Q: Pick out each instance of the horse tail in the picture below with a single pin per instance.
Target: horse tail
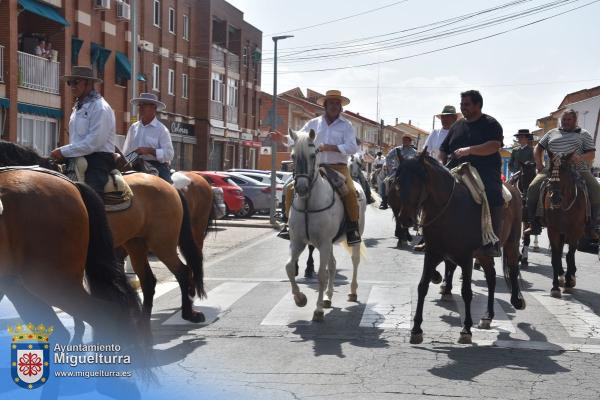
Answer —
(105, 279)
(189, 249)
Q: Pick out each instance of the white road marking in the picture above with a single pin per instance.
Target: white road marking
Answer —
(388, 307)
(578, 319)
(218, 300)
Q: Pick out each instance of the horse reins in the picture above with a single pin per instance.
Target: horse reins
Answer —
(424, 225)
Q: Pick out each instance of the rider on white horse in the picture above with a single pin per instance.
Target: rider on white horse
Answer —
(336, 141)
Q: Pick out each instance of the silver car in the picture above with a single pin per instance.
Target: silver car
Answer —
(219, 207)
(257, 195)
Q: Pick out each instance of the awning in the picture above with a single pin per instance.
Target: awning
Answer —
(76, 44)
(39, 110)
(43, 10)
(4, 103)
(123, 66)
(99, 55)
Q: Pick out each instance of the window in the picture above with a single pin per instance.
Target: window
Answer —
(171, 88)
(232, 92)
(245, 56)
(171, 20)
(184, 85)
(157, 13)
(217, 87)
(155, 77)
(37, 132)
(186, 27)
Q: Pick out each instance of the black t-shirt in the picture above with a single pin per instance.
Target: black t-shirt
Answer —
(464, 134)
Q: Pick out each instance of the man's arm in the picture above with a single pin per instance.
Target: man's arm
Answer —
(538, 156)
(442, 157)
(512, 163)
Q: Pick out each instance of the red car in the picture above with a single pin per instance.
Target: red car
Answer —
(233, 195)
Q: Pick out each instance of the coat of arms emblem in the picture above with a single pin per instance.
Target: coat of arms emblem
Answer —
(30, 355)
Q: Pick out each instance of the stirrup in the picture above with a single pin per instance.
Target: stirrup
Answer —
(353, 237)
(490, 250)
(284, 233)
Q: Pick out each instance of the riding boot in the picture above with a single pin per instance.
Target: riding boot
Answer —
(384, 203)
(284, 233)
(593, 226)
(352, 233)
(493, 249)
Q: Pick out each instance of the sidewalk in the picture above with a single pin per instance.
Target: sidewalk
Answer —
(257, 221)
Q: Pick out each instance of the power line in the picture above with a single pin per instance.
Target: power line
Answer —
(338, 19)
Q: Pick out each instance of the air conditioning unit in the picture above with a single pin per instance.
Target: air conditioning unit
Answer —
(102, 4)
(123, 11)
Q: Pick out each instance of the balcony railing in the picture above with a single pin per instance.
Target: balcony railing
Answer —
(233, 62)
(232, 115)
(38, 73)
(216, 110)
(1, 63)
(217, 57)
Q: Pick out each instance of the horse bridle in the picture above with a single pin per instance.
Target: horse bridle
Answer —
(555, 179)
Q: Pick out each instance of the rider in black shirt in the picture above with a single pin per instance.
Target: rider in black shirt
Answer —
(477, 139)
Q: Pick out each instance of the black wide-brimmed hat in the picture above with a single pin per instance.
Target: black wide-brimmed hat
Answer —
(524, 132)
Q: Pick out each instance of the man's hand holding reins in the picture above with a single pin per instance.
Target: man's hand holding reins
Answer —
(329, 147)
(56, 154)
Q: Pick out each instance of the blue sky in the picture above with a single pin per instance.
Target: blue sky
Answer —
(523, 75)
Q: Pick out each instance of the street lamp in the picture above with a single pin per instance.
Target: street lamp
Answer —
(273, 129)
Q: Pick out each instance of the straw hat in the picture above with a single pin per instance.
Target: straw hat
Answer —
(333, 94)
(149, 98)
(82, 72)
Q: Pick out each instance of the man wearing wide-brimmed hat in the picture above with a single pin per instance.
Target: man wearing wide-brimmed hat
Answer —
(149, 137)
(92, 129)
(523, 153)
(448, 116)
(336, 142)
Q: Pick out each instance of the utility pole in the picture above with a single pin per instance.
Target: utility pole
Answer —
(134, 51)
(273, 129)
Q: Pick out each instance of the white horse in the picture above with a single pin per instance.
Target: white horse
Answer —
(315, 218)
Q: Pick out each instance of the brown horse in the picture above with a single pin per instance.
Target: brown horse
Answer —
(52, 231)
(199, 197)
(157, 221)
(452, 230)
(521, 180)
(565, 216)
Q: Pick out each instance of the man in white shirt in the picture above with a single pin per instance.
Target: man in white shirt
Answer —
(149, 137)
(448, 116)
(92, 129)
(336, 141)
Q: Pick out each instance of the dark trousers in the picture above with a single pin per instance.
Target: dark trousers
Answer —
(163, 170)
(99, 167)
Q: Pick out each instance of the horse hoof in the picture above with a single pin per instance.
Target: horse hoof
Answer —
(561, 281)
(568, 290)
(524, 264)
(318, 316)
(436, 278)
(326, 303)
(485, 323)
(465, 338)
(573, 282)
(518, 303)
(300, 299)
(416, 338)
(194, 316)
(555, 293)
(353, 297)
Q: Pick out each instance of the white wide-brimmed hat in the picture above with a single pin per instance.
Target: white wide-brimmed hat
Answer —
(149, 98)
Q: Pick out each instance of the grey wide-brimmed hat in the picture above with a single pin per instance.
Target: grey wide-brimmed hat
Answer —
(449, 110)
(82, 72)
(149, 98)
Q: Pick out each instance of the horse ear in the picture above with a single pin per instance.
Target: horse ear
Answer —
(399, 155)
(312, 134)
(423, 153)
(293, 135)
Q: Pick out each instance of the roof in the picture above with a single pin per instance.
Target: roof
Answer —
(579, 96)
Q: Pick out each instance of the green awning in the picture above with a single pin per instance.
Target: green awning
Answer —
(4, 103)
(76, 44)
(39, 110)
(43, 10)
(99, 56)
(123, 66)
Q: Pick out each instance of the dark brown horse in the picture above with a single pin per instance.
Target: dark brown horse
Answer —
(157, 221)
(452, 230)
(565, 216)
(52, 233)
(521, 180)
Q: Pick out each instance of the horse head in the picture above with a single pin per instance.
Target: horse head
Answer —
(562, 177)
(13, 154)
(304, 155)
(528, 172)
(410, 187)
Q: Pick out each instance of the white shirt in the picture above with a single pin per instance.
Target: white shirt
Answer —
(91, 129)
(434, 142)
(379, 160)
(154, 135)
(339, 133)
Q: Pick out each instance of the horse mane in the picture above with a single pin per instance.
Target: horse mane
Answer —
(13, 154)
(414, 167)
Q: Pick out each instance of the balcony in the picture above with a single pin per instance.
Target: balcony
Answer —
(233, 62)
(217, 57)
(1, 63)
(216, 110)
(38, 73)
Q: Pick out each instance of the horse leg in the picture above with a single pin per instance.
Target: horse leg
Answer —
(325, 253)
(490, 279)
(467, 295)
(354, 284)
(431, 261)
(446, 286)
(556, 246)
(296, 248)
(331, 269)
(523, 258)
(309, 272)
(570, 280)
(138, 254)
(510, 254)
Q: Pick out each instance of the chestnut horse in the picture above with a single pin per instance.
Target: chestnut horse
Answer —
(521, 180)
(452, 230)
(157, 221)
(52, 232)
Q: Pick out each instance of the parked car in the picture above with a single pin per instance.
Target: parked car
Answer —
(233, 195)
(263, 177)
(219, 207)
(283, 176)
(257, 195)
